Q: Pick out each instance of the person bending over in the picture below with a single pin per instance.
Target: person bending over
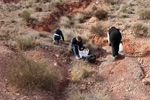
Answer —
(114, 39)
(76, 43)
(57, 36)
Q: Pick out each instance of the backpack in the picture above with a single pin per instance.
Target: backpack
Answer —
(90, 58)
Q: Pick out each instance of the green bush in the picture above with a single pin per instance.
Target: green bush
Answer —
(101, 14)
(25, 42)
(26, 74)
(140, 30)
(145, 14)
(98, 30)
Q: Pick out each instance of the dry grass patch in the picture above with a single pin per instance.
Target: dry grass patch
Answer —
(27, 16)
(80, 70)
(82, 17)
(101, 14)
(25, 42)
(38, 9)
(140, 30)
(26, 74)
(98, 29)
(65, 21)
(76, 94)
(145, 14)
(109, 2)
(69, 33)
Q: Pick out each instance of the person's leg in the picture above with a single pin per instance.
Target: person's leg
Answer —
(74, 48)
(57, 39)
(117, 50)
(75, 51)
(113, 51)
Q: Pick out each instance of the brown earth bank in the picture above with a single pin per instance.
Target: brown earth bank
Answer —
(10, 1)
(49, 23)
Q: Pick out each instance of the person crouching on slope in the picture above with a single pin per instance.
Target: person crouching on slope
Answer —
(57, 36)
(76, 43)
(114, 39)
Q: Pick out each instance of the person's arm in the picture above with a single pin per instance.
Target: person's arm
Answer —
(73, 43)
(108, 37)
(80, 45)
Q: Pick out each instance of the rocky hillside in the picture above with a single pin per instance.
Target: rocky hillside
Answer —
(32, 67)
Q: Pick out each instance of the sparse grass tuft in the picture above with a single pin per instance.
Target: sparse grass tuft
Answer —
(93, 7)
(26, 74)
(80, 70)
(109, 1)
(81, 17)
(25, 42)
(145, 14)
(38, 9)
(56, 3)
(84, 0)
(65, 21)
(27, 16)
(69, 33)
(101, 14)
(140, 30)
(98, 30)
(76, 94)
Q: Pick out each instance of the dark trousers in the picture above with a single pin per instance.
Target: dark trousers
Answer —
(75, 50)
(56, 39)
(115, 50)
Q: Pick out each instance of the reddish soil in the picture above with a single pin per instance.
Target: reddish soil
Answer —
(49, 23)
(9, 1)
(121, 78)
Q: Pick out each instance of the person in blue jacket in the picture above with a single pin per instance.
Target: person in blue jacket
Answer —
(114, 39)
(57, 36)
(76, 43)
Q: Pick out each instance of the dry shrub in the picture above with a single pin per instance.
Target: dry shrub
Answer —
(84, 0)
(65, 21)
(25, 42)
(93, 7)
(26, 74)
(76, 94)
(69, 33)
(56, 3)
(81, 17)
(145, 14)
(27, 16)
(109, 1)
(38, 9)
(101, 14)
(140, 30)
(98, 30)
(80, 70)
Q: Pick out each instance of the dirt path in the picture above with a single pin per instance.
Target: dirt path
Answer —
(123, 78)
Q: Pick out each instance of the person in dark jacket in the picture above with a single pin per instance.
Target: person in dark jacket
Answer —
(57, 36)
(76, 43)
(114, 39)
